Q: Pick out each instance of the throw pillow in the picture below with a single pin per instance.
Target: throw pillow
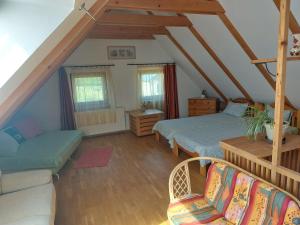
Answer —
(236, 109)
(28, 127)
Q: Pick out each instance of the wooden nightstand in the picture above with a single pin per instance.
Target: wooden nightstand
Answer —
(202, 106)
(141, 123)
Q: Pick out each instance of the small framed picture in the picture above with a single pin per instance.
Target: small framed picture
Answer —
(121, 52)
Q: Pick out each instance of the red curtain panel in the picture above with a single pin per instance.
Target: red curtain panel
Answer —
(171, 106)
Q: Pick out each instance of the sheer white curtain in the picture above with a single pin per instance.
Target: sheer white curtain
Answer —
(92, 89)
(93, 95)
(151, 87)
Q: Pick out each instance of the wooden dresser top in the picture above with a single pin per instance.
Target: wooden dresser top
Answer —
(148, 112)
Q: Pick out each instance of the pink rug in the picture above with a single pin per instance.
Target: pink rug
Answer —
(94, 158)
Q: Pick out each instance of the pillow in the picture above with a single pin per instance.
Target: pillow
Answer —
(15, 134)
(236, 109)
(8, 145)
(28, 127)
(286, 114)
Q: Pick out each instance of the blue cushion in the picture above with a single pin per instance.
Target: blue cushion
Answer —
(236, 109)
(15, 134)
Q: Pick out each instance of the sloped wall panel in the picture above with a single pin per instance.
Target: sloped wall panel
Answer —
(233, 56)
(185, 65)
(204, 60)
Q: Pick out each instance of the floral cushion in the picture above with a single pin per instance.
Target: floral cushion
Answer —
(292, 215)
(192, 210)
(266, 206)
(220, 185)
(240, 199)
(233, 198)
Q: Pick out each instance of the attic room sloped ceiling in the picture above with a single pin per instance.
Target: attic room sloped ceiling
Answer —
(259, 33)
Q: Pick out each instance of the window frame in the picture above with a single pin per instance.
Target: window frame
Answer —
(104, 102)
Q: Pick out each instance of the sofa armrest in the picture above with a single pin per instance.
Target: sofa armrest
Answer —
(22, 180)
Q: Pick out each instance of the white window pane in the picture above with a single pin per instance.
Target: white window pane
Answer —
(90, 92)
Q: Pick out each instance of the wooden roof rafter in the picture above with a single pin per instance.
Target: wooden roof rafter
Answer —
(142, 20)
(121, 36)
(196, 66)
(249, 52)
(212, 53)
(178, 6)
(129, 29)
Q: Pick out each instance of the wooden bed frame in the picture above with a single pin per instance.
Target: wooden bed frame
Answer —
(203, 169)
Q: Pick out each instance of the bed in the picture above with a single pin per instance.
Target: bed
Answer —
(200, 135)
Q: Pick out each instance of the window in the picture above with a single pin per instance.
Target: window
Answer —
(151, 87)
(90, 92)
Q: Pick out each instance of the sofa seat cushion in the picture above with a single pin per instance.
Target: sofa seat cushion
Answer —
(35, 205)
(194, 209)
(47, 151)
(23, 180)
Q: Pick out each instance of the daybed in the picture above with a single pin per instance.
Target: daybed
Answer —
(27, 198)
(232, 196)
(49, 150)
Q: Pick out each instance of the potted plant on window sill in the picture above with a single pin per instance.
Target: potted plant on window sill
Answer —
(262, 123)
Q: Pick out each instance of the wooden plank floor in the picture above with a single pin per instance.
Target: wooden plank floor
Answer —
(131, 190)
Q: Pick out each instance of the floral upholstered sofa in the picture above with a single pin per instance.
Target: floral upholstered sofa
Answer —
(230, 197)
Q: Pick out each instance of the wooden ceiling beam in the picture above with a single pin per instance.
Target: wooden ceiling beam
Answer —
(121, 36)
(143, 20)
(249, 52)
(293, 23)
(212, 53)
(179, 6)
(50, 63)
(196, 66)
(273, 60)
(117, 29)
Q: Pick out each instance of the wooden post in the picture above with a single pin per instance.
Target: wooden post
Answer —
(280, 85)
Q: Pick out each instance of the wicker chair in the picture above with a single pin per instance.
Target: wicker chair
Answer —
(180, 184)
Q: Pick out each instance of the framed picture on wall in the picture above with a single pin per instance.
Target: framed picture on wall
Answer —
(121, 52)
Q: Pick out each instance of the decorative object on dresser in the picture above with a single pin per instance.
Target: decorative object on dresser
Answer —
(202, 106)
(142, 122)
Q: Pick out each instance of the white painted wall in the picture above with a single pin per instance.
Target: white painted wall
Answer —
(45, 103)
(93, 51)
(44, 106)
